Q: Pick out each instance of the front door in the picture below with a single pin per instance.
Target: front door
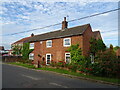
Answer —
(48, 59)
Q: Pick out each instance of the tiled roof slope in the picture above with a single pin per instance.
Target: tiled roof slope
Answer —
(21, 40)
(97, 35)
(60, 33)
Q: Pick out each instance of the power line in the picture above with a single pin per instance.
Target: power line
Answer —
(94, 15)
(60, 23)
(109, 31)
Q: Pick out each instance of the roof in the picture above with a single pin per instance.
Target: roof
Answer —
(60, 33)
(118, 52)
(97, 35)
(21, 40)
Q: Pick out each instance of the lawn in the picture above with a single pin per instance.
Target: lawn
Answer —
(112, 80)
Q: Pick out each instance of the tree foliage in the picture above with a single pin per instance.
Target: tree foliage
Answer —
(109, 54)
(108, 63)
(17, 50)
(96, 46)
(75, 53)
(26, 51)
(116, 48)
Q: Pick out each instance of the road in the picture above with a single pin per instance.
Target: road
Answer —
(18, 77)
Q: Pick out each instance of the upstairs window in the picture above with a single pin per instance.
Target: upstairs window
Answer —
(49, 43)
(67, 42)
(31, 45)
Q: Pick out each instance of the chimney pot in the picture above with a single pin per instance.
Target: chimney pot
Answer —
(32, 35)
(64, 23)
(64, 18)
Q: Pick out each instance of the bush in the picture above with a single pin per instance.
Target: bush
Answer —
(84, 63)
(43, 63)
(53, 63)
(61, 64)
(108, 64)
(73, 67)
(96, 69)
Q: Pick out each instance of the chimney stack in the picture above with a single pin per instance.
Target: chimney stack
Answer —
(64, 23)
(32, 35)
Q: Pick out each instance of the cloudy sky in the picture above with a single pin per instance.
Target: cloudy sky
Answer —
(25, 15)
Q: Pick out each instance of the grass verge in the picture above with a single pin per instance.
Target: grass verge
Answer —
(22, 64)
(112, 80)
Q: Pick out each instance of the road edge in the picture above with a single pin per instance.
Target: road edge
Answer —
(71, 76)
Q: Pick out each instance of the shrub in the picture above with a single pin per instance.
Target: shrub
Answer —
(96, 69)
(61, 64)
(73, 67)
(53, 63)
(42, 63)
(108, 64)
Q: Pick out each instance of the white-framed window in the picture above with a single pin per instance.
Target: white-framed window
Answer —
(67, 58)
(31, 56)
(40, 42)
(48, 59)
(49, 43)
(67, 42)
(31, 45)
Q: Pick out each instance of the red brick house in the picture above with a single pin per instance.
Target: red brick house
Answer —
(53, 45)
(1, 50)
(21, 41)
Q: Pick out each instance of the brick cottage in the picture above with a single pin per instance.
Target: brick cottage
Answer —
(53, 45)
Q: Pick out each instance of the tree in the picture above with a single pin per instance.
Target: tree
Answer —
(26, 51)
(100, 45)
(17, 50)
(75, 53)
(93, 46)
(109, 62)
(76, 56)
(116, 48)
(96, 46)
(111, 47)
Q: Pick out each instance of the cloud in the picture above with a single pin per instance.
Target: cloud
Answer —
(27, 15)
(62, 1)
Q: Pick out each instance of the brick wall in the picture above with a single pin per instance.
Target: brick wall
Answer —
(86, 38)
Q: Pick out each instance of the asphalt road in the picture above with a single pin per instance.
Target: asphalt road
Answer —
(18, 77)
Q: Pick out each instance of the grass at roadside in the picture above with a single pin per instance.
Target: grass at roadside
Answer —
(112, 80)
(22, 64)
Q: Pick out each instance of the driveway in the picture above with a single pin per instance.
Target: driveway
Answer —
(18, 77)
